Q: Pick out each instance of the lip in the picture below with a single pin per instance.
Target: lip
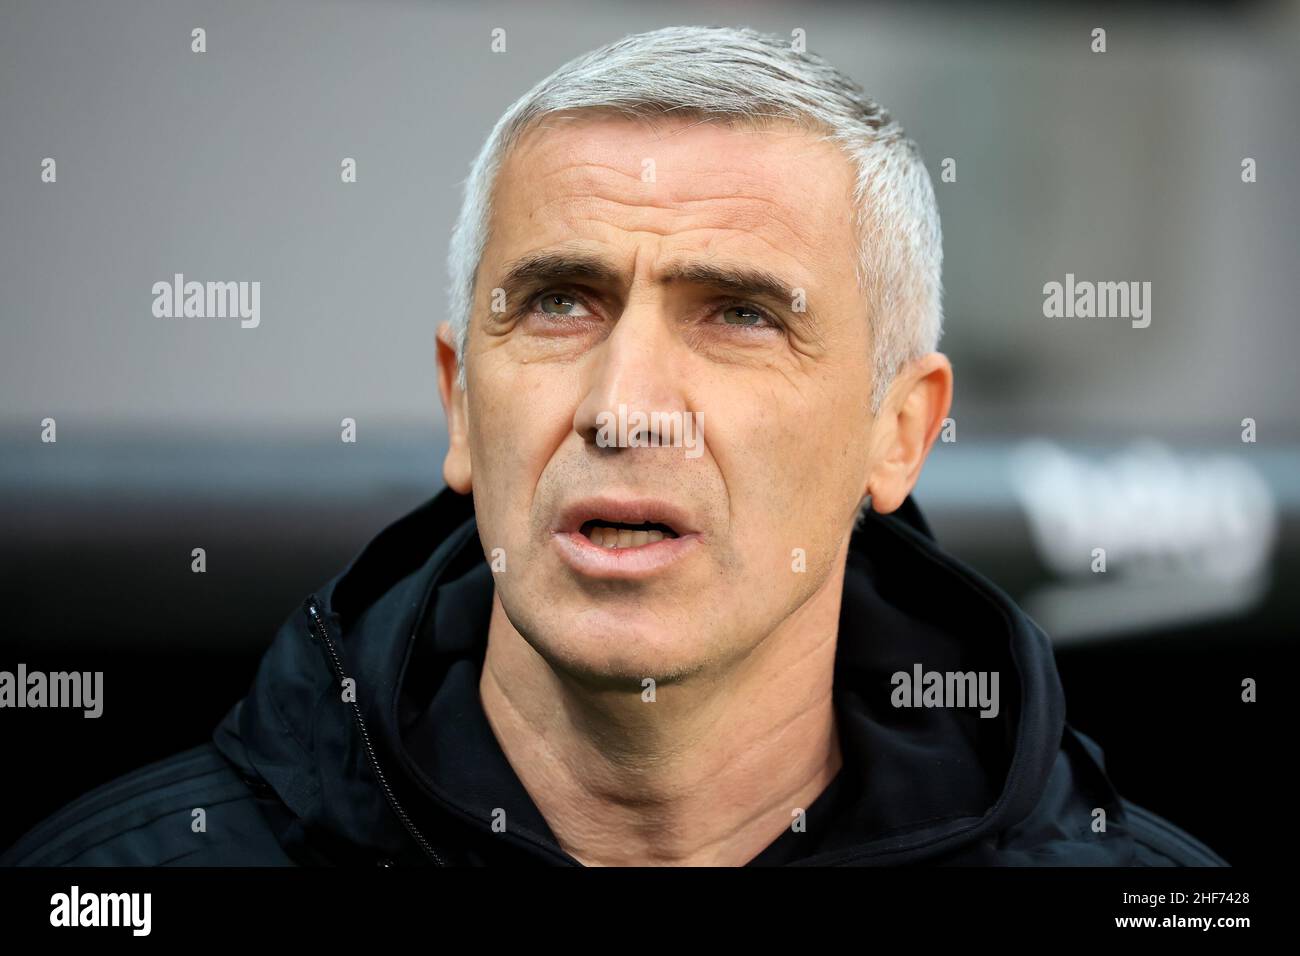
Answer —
(625, 511)
(591, 560)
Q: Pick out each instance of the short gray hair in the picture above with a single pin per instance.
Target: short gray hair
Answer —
(740, 75)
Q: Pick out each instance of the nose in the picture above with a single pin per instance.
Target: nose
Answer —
(638, 368)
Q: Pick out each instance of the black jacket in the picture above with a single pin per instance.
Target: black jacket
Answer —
(411, 774)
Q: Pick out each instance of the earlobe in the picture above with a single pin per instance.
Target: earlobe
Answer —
(456, 466)
(921, 399)
(883, 490)
(456, 470)
(883, 476)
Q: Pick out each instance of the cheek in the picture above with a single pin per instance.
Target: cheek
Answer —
(517, 421)
(778, 446)
(792, 471)
(501, 445)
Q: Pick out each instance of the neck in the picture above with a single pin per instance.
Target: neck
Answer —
(709, 774)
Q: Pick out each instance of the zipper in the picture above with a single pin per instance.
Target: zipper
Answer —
(312, 609)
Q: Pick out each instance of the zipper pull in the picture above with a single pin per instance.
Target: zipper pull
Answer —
(311, 607)
(317, 629)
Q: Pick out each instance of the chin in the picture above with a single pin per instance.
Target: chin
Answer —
(611, 651)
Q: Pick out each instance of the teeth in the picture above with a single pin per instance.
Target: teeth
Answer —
(614, 538)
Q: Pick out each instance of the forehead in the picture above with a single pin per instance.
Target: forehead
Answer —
(777, 192)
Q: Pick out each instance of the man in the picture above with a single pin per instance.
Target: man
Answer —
(675, 606)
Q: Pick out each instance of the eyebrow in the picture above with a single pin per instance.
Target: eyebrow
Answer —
(558, 267)
(740, 281)
(572, 266)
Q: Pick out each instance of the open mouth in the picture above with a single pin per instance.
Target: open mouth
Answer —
(624, 537)
(619, 534)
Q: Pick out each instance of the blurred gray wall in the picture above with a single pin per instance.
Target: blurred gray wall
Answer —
(225, 166)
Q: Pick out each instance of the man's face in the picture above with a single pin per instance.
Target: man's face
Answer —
(641, 246)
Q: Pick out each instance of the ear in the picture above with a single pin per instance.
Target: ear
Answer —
(903, 433)
(456, 466)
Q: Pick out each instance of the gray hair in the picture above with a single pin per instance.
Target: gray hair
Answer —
(739, 75)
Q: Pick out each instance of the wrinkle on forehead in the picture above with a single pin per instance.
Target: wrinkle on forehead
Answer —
(561, 178)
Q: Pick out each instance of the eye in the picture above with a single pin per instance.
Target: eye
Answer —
(743, 315)
(559, 304)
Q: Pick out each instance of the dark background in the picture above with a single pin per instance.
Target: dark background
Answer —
(225, 166)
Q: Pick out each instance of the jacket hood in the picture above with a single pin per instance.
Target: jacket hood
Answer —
(407, 621)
